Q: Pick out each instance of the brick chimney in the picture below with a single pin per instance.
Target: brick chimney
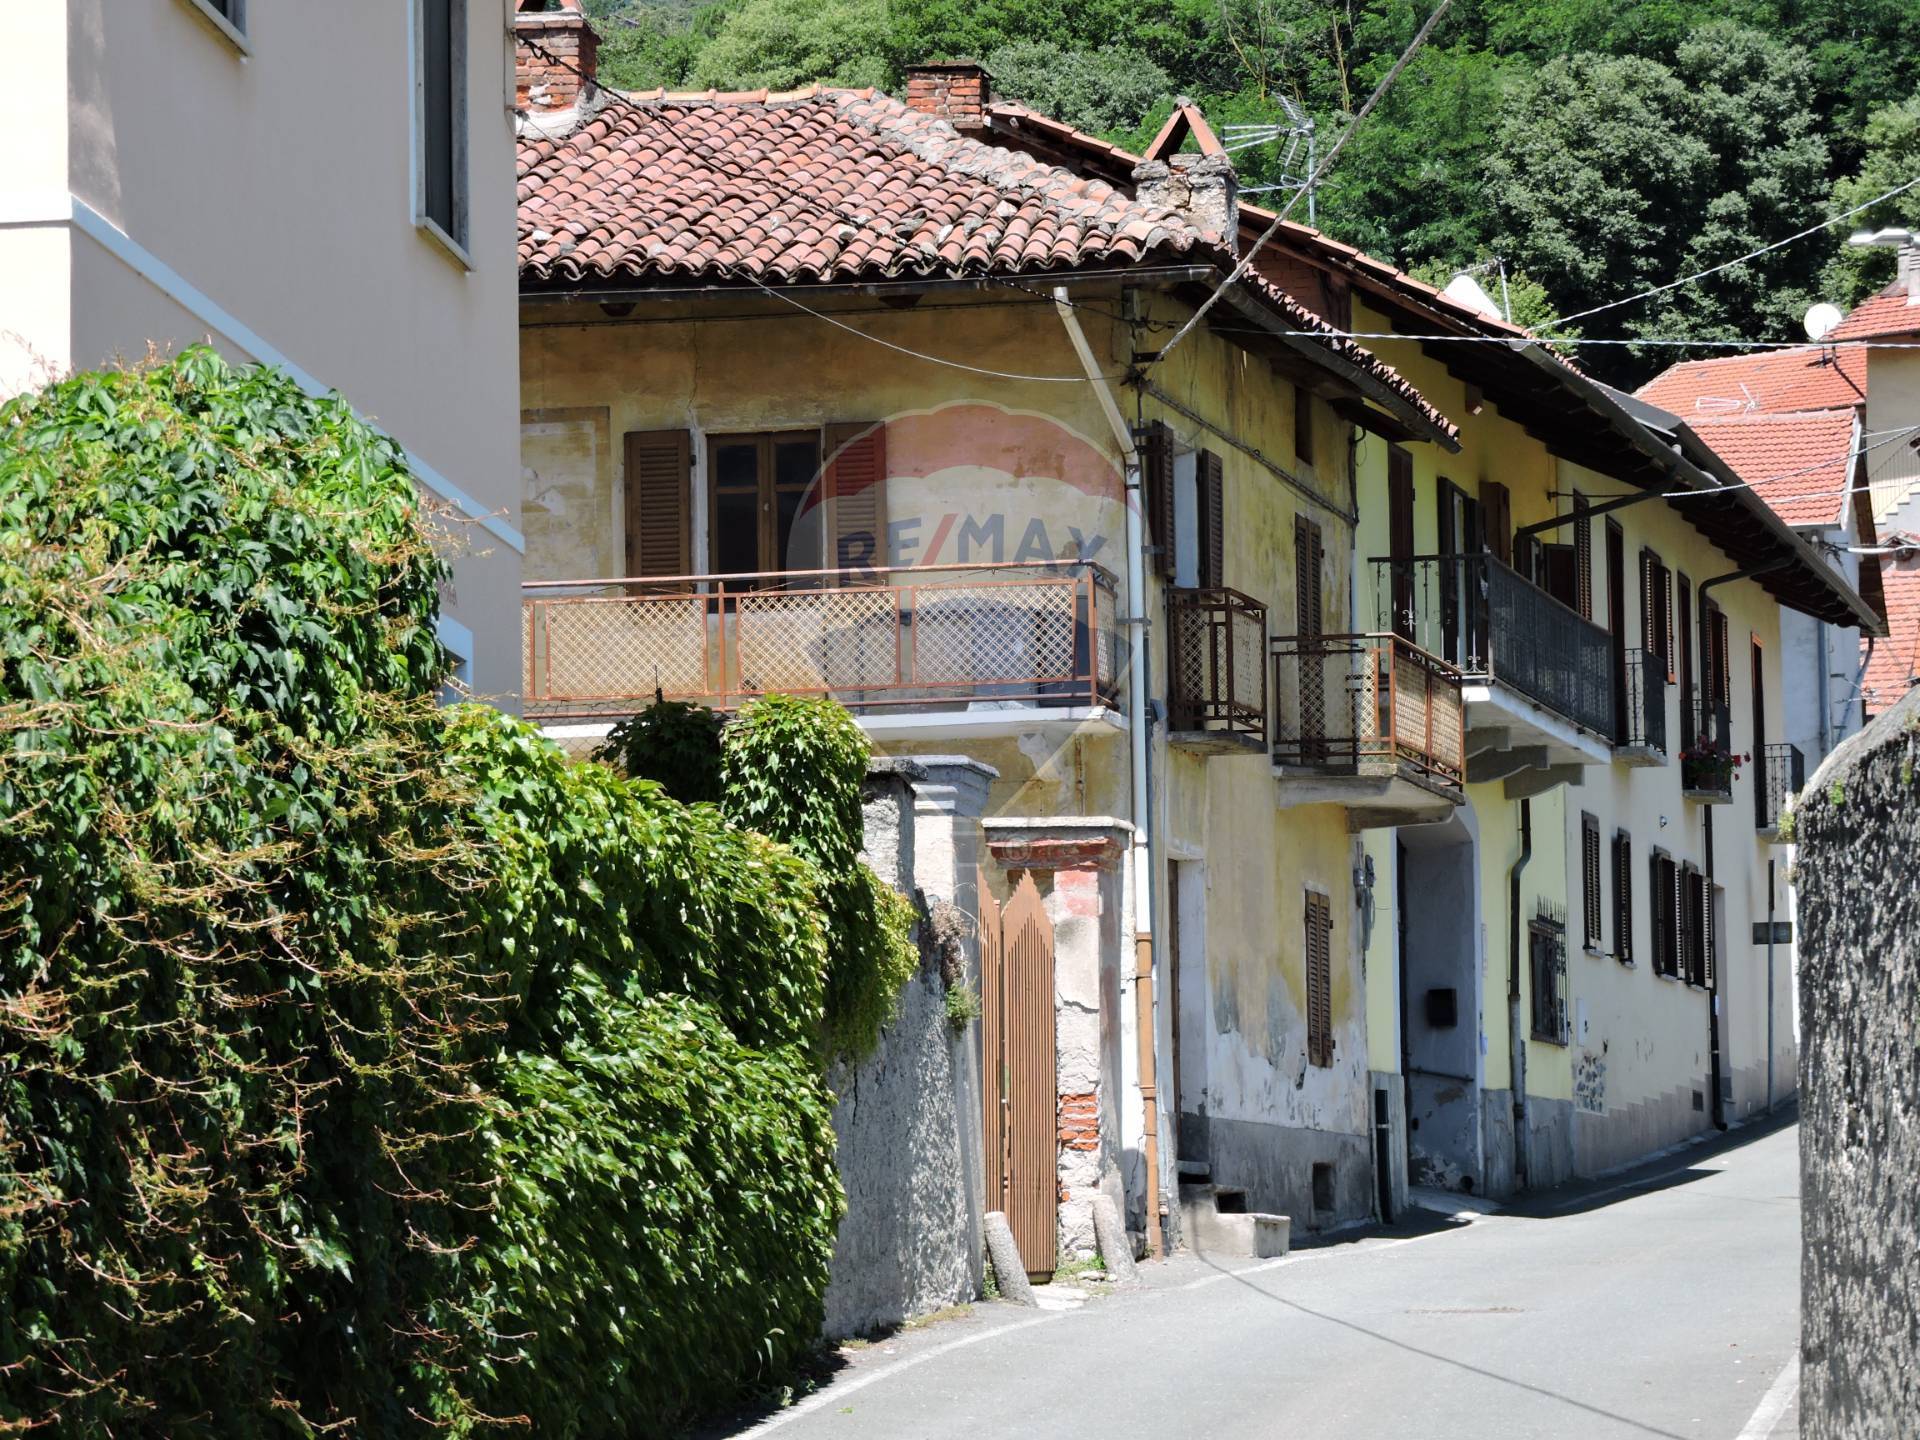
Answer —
(551, 78)
(1203, 188)
(955, 90)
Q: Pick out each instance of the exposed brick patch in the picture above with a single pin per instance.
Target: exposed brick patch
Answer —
(1080, 1121)
(1054, 853)
(957, 93)
(550, 78)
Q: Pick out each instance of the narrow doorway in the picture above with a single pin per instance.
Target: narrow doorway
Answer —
(1192, 1017)
(1440, 1006)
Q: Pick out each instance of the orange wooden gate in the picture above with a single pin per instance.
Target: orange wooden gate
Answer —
(1016, 974)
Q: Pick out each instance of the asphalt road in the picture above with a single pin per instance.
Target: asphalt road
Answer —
(1662, 1303)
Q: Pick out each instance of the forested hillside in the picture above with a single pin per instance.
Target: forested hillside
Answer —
(1595, 148)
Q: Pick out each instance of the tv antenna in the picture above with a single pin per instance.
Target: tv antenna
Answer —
(1292, 133)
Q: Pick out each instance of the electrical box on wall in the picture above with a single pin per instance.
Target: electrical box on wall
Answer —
(1443, 1008)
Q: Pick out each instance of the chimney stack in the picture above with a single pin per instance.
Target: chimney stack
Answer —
(957, 91)
(1203, 188)
(1909, 270)
(552, 77)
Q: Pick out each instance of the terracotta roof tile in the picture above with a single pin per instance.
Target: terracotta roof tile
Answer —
(1893, 663)
(1771, 382)
(819, 185)
(1886, 314)
(1797, 463)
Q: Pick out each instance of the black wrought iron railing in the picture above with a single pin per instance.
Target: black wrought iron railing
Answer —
(1643, 715)
(1217, 666)
(1707, 764)
(1482, 616)
(1782, 774)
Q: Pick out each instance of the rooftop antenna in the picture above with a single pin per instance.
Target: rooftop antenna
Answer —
(1291, 133)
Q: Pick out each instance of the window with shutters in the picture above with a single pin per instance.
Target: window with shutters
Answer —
(1155, 444)
(756, 485)
(854, 494)
(1593, 911)
(440, 121)
(1400, 540)
(1319, 955)
(1210, 505)
(1309, 560)
(1688, 700)
(1622, 897)
(1688, 890)
(1656, 610)
(1302, 425)
(1663, 886)
(1497, 507)
(659, 468)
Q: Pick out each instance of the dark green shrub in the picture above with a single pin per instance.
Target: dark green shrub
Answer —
(237, 1032)
(650, 895)
(676, 744)
(667, 1220)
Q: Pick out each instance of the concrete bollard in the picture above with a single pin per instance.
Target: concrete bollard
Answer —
(1008, 1271)
(1116, 1246)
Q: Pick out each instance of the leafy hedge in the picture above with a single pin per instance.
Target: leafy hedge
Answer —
(237, 1044)
(361, 1064)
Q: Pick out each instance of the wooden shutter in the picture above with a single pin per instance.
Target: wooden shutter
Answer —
(1706, 931)
(1156, 480)
(1590, 878)
(1685, 667)
(856, 497)
(1557, 574)
(1319, 947)
(1582, 557)
(1665, 579)
(1622, 897)
(1722, 679)
(1649, 601)
(1308, 558)
(1660, 889)
(1211, 495)
(1400, 539)
(659, 464)
(1497, 505)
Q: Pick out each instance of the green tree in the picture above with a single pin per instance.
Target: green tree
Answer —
(785, 44)
(1102, 90)
(1892, 140)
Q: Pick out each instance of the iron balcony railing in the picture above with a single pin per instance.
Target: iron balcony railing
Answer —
(1217, 664)
(1707, 764)
(932, 637)
(1783, 772)
(1341, 701)
(1643, 713)
(1482, 616)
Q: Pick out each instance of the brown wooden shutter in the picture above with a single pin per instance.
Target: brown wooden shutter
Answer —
(1308, 559)
(1684, 668)
(1649, 601)
(1622, 897)
(1722, 678)
(1590, 876)
(1497, 506)
(1660, 893)
(1319, 947)
(1156, 480)
(1706, 930)
(659, 465)
(856, 496)
(1211, 494)
(1582, 557)
(1665, 578)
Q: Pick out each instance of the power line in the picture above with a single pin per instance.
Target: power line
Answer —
(1326, 161)
(1831, 220)
(1330, 333)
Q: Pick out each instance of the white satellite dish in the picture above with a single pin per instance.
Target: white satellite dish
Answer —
(1821, 319)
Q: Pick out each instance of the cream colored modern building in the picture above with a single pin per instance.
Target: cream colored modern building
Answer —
(323, 187)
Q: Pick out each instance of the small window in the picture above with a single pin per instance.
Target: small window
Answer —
(1303, 425)
(1664, 884)
(441, 129)
(1319, 945)
(1547, 953)
(757, 486)
(1590, 882)
(229, 17)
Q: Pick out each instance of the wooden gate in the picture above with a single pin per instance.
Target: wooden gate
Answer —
(1016, 981)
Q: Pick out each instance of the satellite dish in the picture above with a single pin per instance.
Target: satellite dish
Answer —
(1821, 319)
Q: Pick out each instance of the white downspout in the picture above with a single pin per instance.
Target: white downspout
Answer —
(1144, 835)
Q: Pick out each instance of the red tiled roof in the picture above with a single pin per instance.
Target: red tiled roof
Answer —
(1894, 661)
(1887, 313)
(1798, 463)
(1771, 382)
(814, 186)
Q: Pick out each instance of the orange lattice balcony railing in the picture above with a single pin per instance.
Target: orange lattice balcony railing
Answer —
(1355, 702)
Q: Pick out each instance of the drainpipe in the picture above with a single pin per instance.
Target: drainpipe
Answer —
(1713, 994)
(1144, 837)
(1770, 903)
(1516, 1038)
(1825, 698)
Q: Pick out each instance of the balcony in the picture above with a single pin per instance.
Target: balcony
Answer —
(1538, 678)
(946, 650)
(1371, 722)
(1217, 672)
(1707, 764)
(1641, 734)
(1783, 772)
